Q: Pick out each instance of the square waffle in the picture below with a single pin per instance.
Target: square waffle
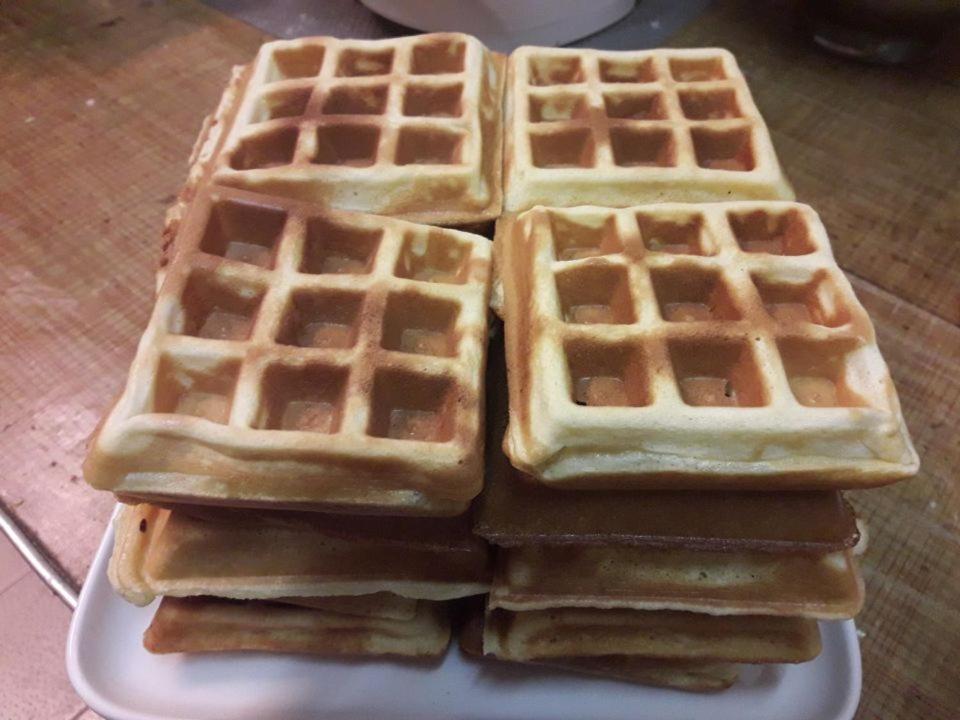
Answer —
(667, 634)
(827, 587)
(306, 358)
(684, 345)
(209, 624)
(624, 128)
(271, 555)
(816, 522)
(407, 127)
(690, 675)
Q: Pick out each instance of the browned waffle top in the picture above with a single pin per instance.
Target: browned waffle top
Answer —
(210, 624)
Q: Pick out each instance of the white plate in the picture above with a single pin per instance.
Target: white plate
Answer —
(119, 679)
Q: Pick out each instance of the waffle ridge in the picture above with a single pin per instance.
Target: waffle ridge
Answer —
(624, 128)
(298, 356)
(699, 345)
(407, 127)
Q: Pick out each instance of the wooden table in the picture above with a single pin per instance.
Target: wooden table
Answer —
(101, 105)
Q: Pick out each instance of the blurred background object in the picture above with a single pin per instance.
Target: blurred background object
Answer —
(501, 24)
(885, 31)
(505, 24)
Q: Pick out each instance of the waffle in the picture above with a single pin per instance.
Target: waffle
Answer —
(406, 127)
(588, 632)
(692, 346)
(214, 625)
(812, 522)
(719, 583)
(260, 555)
(306, 359)
(689, 675)
(624, 128)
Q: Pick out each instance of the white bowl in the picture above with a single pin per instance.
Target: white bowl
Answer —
(506, 24)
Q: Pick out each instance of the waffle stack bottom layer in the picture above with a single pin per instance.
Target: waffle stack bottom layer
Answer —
(209, 624)
(296, 582)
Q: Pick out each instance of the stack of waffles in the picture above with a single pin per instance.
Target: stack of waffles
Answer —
(691, 378)
(301, 433)
(691, 382)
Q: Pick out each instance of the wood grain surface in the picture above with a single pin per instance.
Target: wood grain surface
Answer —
(102, 100)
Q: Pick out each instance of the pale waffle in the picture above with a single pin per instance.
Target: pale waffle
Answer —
(587, 632)
(407, 127)
(689, 675)
(624, 128)
(205, 624)
(307, 359)
(692, 346)
(279, 555)
(719, 583)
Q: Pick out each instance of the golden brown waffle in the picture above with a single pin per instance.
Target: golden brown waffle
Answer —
(689, 675)
(813, 521)
(588, 632)
(624, 128)
(306, 359)
(690, 346)
(407, 127)
(205, 624)
(274, 555)
(719, 583)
